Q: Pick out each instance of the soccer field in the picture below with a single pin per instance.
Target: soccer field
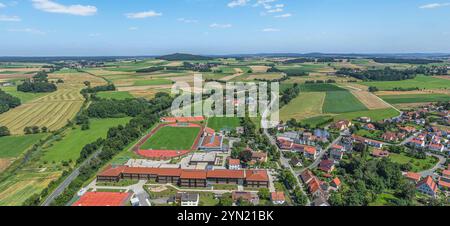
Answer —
(172, 138)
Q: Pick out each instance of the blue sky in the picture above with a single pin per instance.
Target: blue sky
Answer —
(150, 27)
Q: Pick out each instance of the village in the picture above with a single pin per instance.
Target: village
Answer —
(315, 154)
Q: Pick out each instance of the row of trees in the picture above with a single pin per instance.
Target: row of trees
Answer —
(288, 94)
(386, 74)
(8, 101)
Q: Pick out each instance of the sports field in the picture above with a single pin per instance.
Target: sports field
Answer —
(341, 102)
(421, 82)
(172, 138)
(218, 123)
(305, 105)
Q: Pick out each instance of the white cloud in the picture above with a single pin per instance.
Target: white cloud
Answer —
(276, 10)
(10, 18)
(95, 35)
(53, 7)
(270, 30)
(28, 30)
(434, 5)
(188, 21)
(237, 3)
(215, 25)
(133, 28)
(283, 15)
(142, 15)
(2, 5)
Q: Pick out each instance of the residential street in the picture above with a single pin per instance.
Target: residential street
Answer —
(431, 172)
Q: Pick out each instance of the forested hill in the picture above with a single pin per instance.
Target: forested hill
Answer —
(183, 56)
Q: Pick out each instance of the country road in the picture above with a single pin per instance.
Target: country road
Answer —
(322, 153)
(61, 187)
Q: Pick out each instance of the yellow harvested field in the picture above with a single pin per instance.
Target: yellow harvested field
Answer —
(51, 111)
(4, 163)
(370, 100)
(175, 64)
(76, 79)
(259, 69)
(356, 86)
(238, 73)
(143, 88)
(443, 77)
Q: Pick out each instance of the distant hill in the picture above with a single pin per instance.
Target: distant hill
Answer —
(183, 56)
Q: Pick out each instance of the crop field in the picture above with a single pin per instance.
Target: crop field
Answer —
(341, 102)
(375, 115)
(24, 97)
(370, 100)
(266, 76)
(16, 190)
(421, 82)
(52, 111)
(218, 123)
(317, 120)
(114, 95)
(152, 82)
(13, 146)
(301, 68)
(172, 138)
(325, 87)
(304, 106)
(415, 98)
(71, 143)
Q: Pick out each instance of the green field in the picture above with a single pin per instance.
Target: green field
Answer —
(341, 102)
(303, 106)
(69, 147)
(317, 120)
(417, 164)
(421, 82)
(13, 146)
(153, 82)
(415, 98)
(301, 68)
(118, 95)
(24, 97)
(218, 123)
(321, 87)
(375, 115)
(172, 138)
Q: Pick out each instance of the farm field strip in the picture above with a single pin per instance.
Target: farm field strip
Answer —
(370, 100)
(421, 82)
(304, 106)
(341, 102)
(415, 98)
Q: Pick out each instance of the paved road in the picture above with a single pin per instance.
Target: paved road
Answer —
(61, 187)
(407, 140)
(322, 153)
(431, 171)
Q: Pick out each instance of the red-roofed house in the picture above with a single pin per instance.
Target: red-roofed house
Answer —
(428, 186)
(306, 176)
(436, 147)
(380, 153)
(310, 152)
(336, 183)
(337, 152)
(277, 198)
(413, 177)
(326, 165)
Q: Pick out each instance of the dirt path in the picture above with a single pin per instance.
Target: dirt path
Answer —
(238, 73)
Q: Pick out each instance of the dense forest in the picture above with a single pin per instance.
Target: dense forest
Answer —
(405, 61)
(38, 84)
(288, 94)
(7, 101)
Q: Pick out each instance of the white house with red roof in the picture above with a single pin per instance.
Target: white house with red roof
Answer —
(427, 186)
(277, 198)
(234, 164)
